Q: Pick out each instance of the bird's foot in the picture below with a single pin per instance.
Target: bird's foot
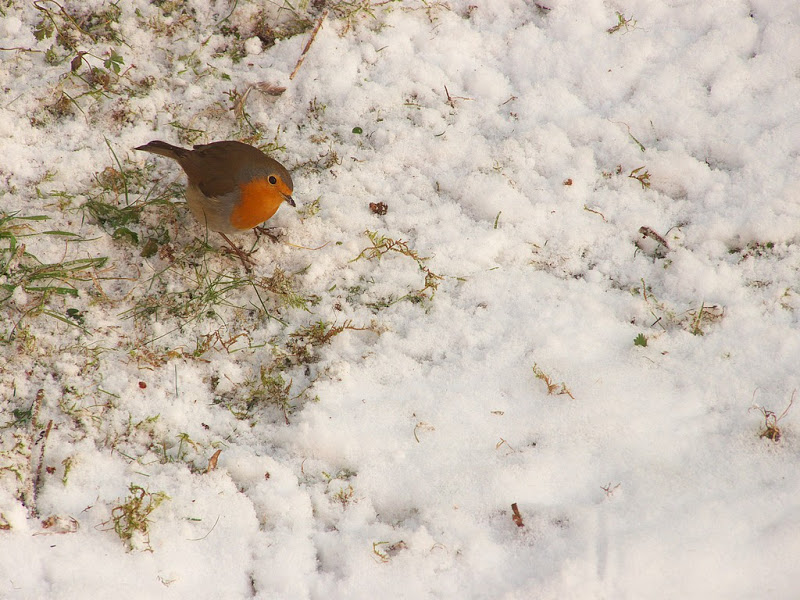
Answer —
(243, 256)
(272, 233)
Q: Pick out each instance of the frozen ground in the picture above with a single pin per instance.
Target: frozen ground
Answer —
(377, 418)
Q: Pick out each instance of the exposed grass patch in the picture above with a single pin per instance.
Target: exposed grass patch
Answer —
(210, 294)
(205, 292)
(303, 342)
(385, 551)
(268, 389)
(131, 518)
(382, 245)
(623, 22)
(124, 203)
(72, 26)
(704, 316)
(771, 430)
(345, 496)
(285, 289)
(553, 388)
(15, 456)
(754, 250)
(694, 320)
(33, 283)
(642, 175)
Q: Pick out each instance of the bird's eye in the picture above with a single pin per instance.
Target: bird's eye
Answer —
(273, 180)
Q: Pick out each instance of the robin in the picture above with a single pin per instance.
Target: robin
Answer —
(232, 186)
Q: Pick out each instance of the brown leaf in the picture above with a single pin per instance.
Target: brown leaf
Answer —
(212, 462)
(58, 524)
(516, 516)
(76, 62)
(379, 208)
(268, 88)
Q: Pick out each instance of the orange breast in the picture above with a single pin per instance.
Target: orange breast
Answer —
(259, 202)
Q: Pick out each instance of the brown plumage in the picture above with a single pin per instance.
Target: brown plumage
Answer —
(232, 186)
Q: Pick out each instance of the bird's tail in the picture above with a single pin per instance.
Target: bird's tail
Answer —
(164, 149)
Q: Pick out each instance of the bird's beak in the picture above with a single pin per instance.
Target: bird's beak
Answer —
(288, 199)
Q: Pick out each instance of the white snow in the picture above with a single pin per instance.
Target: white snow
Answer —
(504, 137)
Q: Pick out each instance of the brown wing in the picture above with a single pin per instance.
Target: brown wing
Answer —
(210, 168)
(217, 168)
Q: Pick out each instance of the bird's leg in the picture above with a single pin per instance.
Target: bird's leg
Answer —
(243, 256)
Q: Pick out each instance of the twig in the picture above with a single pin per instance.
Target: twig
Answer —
(609, 489)
(597, 212)
(265, 87)
(37, 480)
(501, 442)
(37, 406)
(308, 44)
(30, 487)
(21, 49)
(648, 232)
(306, 247)
(424, 426)
(451, 100)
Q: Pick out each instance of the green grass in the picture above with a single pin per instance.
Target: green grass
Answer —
(381, 246)
(136, 287)
(131, 517)
(267, 391)
(694, 320)
(40, 282)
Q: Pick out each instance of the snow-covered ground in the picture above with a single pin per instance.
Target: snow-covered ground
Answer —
(582, 299)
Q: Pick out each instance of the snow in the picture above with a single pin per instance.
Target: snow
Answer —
(504, 136)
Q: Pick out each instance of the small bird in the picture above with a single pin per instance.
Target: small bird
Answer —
(232, 186)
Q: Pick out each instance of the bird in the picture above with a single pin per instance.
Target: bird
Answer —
(232, 186)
